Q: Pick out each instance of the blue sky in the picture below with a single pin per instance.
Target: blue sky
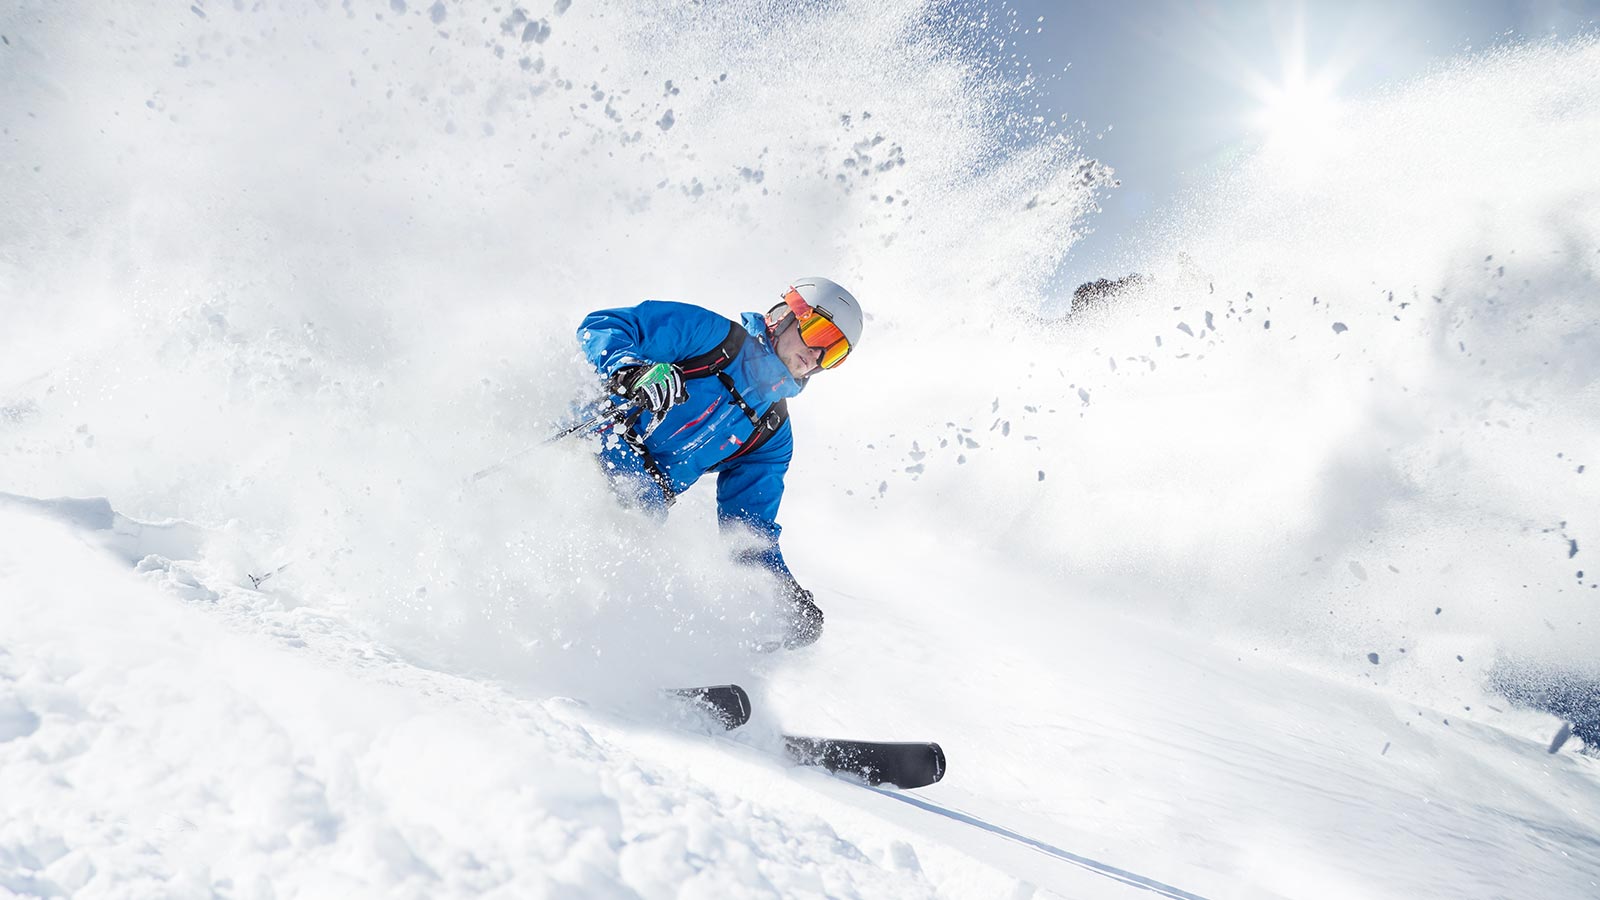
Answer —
(1169, 91)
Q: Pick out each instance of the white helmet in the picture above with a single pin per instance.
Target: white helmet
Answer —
(804, 300)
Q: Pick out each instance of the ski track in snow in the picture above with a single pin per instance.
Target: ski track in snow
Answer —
(1200, 590)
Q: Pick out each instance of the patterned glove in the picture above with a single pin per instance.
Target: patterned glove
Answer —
(656, 387)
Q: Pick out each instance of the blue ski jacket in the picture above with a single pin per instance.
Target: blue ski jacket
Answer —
(696, 436)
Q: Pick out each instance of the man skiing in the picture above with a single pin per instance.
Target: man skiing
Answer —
(695, 393)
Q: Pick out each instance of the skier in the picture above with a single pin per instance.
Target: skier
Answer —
(696, 393)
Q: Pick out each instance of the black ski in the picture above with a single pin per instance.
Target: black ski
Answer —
(727, 703)
(904, 765)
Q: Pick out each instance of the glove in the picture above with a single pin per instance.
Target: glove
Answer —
(805, 622)
(656, 387)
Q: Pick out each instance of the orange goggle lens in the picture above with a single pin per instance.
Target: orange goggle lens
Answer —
(818, 331)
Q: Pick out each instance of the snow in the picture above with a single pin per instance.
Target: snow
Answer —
(155, 747)
(1195, 606)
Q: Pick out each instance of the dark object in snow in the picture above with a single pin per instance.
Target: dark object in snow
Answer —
(256, 580)
(1565, 692)
(1561, 738)
(904, 765)
(1098, 294)
(727, 703)
(1372, 658)
(911, 764)
(1339, 327)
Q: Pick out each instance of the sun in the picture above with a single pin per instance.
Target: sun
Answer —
(1298, 118)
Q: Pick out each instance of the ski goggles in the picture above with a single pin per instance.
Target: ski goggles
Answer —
(817, 330)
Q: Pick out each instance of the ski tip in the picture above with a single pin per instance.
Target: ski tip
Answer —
(743, 700)
(727, 703)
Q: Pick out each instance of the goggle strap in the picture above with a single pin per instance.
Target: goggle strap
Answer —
(797, 304)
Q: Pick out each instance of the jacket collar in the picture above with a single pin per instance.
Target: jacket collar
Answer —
(765, 368)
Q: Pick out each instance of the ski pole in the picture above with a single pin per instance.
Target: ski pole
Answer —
(611, 411)
(256, 580)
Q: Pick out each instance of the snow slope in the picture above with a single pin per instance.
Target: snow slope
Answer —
(1199, 592)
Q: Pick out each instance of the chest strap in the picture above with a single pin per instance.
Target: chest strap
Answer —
(715, 362)
(766, 428)
(767, 423)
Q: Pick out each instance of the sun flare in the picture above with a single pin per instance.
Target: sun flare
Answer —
(1298, 119)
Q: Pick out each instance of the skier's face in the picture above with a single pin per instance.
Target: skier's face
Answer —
(801, 360)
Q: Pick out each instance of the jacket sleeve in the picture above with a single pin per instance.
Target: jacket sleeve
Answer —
(653, 331)
(748, 494)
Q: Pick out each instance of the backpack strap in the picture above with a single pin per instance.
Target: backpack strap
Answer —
(713, 361)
